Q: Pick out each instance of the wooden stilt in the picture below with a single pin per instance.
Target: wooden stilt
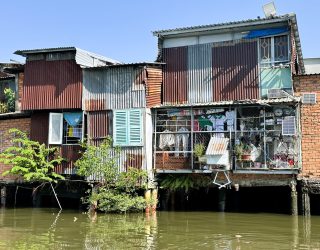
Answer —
(305, 199)
(147, 196)
(3, 195)
(154, 199)
(294, 198)
(222, 200)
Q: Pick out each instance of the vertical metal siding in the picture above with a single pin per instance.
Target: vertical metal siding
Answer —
(71, 153)
(175, 83)
(52, 85)
(154, 86)
(235, 71)
(114, 88)
(98, 125)
(200, 73)
(40, 127)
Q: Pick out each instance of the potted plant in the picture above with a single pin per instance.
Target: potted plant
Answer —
(198, 151)
(243, 151)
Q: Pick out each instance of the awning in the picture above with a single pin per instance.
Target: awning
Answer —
(266, 32)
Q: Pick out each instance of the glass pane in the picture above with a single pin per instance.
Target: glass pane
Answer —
(281, 48)
(265, 50)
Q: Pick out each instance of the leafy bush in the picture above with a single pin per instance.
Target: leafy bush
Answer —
(115, 191)
(30, 159)
(10, 99)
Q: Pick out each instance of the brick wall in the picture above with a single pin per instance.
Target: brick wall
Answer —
(19, 123)
(310, 125)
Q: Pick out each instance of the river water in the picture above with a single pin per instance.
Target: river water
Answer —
(27, 228)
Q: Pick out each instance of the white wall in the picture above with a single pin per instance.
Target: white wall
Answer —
(312, 65)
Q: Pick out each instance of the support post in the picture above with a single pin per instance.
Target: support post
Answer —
(3, 196)
(154, 199)
(305, 199)
(222, 200)
(147, 196)
(294, 198)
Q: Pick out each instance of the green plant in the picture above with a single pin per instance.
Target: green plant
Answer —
(198, 149)
(3, 108)
(30, 159)
(10, 99)
(184, 182)
(115, 191)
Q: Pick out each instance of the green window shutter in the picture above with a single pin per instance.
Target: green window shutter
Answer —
(135, 127)
(120, 135)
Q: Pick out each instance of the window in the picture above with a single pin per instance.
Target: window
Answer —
(274, 50)
(127, 127)
(65, 128)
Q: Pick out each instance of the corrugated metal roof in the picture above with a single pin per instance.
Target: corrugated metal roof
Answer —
(237, 24)
(241, 102)
(129, 64)
(223, 25)
(4, 75)
(217, 146)
(82, 56)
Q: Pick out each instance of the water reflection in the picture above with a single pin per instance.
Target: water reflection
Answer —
(46, 228)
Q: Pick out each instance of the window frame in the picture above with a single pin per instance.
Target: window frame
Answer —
(126, 127)
(272, 61)
(61, 132)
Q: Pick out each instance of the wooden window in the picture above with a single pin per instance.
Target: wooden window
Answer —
(127, 127)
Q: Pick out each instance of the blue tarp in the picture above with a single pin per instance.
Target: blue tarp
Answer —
(266, 32)
(73, 119)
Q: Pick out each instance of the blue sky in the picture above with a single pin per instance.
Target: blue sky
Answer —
(121, 29)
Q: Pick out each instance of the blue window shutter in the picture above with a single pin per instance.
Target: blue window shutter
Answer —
(120, 135)
(135, 127)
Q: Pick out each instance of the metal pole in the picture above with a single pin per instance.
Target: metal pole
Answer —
(55, 196)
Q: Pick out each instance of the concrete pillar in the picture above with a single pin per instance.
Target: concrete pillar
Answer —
(305, 199)
(222, 200)
(294, 198)
(3, 192)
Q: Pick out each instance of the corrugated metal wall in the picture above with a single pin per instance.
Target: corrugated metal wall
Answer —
(154, 87)
(175, 83)
(98, 130)
(52, 85)
(39, 132)
(211, 72)
(71, 153)
(200, 73)
(40, 127)
(235, 71)
(113, 88)
(98, 125)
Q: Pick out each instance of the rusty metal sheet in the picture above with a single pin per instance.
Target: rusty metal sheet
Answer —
(114, 88)
(235, 71)
(40, 127)
(217, 146)
(98, 124)
(175, 75)
(52, 85)
(71, 153)
(153, 86)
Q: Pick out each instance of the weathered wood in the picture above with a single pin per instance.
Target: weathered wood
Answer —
(294, 198)
(3, 195)
(305, 199)
(222, 200)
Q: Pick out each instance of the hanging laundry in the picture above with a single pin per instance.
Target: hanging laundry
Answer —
(70, 131)
(230, 116)
(182, 138)
(166, 140)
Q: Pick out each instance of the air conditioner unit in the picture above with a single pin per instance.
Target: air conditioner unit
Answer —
(276, 93)
(309, 98)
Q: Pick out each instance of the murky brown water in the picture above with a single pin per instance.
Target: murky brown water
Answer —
(46, 229)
